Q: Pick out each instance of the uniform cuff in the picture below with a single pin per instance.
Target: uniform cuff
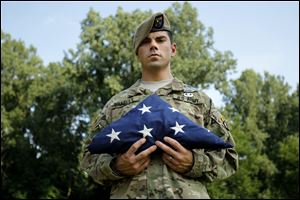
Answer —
(109, 172)
(201, 164)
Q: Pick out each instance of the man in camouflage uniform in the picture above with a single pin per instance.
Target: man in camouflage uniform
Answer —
(178, 172)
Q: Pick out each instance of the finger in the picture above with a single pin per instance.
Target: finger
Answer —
(144, 154)
(140, 163)
(169, 163)
(145, 164)
(136, 146)
(174, 144)
(166, 149)
(169, 159)
(142, 166)
(144, 161)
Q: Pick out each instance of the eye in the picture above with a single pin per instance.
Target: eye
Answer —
(145, 41)
(161, 40)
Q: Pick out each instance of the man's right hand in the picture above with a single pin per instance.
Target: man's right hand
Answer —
(129, 164)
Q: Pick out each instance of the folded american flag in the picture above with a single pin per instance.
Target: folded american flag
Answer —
(153, 119)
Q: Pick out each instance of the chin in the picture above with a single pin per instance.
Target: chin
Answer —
(157, 65)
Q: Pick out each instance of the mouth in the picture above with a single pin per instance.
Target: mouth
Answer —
(153, 55)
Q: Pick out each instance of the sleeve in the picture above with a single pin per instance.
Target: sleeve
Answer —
(98, 165)
(215, 164)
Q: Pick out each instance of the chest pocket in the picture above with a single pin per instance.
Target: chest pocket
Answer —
(120, 108)
(193, 108)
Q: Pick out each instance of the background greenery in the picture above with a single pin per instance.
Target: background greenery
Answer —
(46, 110)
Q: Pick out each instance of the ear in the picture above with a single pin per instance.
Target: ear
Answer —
(137, 55)
(173, 49)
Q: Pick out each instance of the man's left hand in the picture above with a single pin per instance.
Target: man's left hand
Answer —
(179, 159)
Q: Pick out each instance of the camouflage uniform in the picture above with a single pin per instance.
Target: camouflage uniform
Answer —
(158, 180)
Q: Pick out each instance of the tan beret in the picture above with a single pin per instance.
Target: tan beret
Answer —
(157, 22)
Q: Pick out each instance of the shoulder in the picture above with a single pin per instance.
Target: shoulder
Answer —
(124, 97)
(103, 115)
(212, 112)
(196, 93)
(117, 98)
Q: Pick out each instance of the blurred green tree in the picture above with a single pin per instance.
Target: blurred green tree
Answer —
(262, 115)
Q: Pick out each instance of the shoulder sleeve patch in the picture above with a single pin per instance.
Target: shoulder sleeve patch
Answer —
(220, 119)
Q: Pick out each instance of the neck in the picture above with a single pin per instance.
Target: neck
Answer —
(156, 74)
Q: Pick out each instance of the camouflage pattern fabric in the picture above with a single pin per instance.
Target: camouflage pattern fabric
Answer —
(158, 180)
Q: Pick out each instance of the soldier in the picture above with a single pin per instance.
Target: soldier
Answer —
(177, 172)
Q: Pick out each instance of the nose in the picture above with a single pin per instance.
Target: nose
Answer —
(153, 45)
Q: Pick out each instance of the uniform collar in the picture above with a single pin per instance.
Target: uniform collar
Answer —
(175, 85)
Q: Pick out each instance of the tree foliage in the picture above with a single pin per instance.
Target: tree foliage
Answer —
(45, 110)
(264, 119)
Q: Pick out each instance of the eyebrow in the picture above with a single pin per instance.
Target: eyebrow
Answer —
(158, 37)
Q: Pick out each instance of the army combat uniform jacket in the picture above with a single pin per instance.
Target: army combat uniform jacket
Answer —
(158, 180)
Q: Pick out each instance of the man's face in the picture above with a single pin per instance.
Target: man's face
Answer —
(156, 50)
